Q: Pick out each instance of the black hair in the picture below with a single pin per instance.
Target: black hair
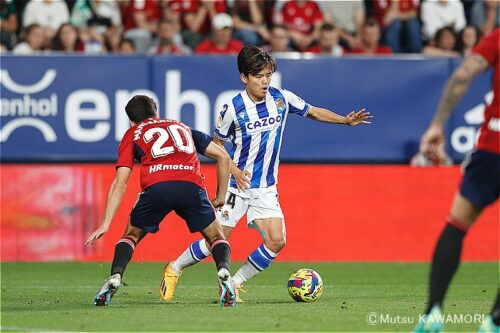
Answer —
(253, 59)
(459, 45)
(370, 22)
(30, 28)
(57, 44)
(125, 41)
(327, 27)
(140, 107)
(439, 34)
(279, 26)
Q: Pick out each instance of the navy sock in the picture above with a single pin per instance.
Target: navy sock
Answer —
(444, 263)
(221, 252)
(124, 250)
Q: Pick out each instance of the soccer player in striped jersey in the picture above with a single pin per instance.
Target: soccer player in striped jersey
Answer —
(254, 121)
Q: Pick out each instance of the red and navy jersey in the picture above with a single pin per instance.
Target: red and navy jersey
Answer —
(489, 138)
(166, 149)
(381, 7)
(301, 17)
(208, 47)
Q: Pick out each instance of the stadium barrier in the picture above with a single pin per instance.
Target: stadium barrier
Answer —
(70, 108)
(345, 213)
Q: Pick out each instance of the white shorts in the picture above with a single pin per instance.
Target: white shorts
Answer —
(257, 203)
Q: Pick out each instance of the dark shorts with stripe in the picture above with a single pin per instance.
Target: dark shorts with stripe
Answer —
(186, 199)
(481, 180)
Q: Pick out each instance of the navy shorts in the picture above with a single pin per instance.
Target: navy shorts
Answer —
(187, 199)
(481, 180)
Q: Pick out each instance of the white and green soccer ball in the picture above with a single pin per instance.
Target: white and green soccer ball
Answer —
(305, 285)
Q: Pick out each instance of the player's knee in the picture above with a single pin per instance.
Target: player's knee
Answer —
(276, 245)
(134, 234)
(280, 245)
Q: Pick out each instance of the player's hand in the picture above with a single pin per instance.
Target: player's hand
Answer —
(218, 202)
(242, 178)
(96, 235)
(432, 142)
(360, 117)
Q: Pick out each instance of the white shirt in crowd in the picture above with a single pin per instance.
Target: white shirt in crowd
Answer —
(437, 14)
(46, 13)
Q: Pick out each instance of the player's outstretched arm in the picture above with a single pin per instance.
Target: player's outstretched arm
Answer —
(115, 195)
(327, 116)
(242, 177)
(456, 87)
(222, 159)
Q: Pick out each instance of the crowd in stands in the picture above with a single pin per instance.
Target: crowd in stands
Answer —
(180, 27)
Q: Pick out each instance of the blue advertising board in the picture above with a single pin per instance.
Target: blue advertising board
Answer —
(71, 108)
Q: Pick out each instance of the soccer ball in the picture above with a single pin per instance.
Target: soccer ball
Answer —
(305, 285)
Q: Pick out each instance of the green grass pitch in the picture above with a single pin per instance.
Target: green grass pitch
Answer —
(58, 297)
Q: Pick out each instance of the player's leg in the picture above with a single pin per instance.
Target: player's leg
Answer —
(124, 250)
(265, 213)
(221, 252)
(149, 210)
(198, 216)
(448, 249)
(219, 246)
(480, 188)
(196, 252)
(274, 233)
(228, 215)
(446, 259)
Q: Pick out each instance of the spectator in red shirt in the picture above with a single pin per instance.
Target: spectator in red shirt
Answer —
(400, 24)
(370, 39)
(140, 20)
(165, 40)
(328, 43)
(303, 18)
(195, 17)
(248, 17)
(221, 41)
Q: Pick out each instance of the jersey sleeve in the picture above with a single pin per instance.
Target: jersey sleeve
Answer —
(225, 124)
(201, 140)
(488, 47)
(126, 152)
(296, 104)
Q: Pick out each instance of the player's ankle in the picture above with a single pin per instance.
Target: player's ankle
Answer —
(175, 267)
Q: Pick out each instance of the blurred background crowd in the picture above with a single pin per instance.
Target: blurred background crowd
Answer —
(336, 28)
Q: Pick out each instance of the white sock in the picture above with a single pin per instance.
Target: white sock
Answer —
(195, 253)
(257, 261)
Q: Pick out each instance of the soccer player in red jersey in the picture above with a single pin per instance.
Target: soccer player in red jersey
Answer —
(171, 180)
(480, 183)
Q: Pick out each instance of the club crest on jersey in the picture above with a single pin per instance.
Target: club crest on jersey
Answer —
(280, 105)
(263, 124)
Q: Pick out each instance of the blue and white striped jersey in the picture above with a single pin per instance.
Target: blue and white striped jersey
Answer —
(256, 129)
